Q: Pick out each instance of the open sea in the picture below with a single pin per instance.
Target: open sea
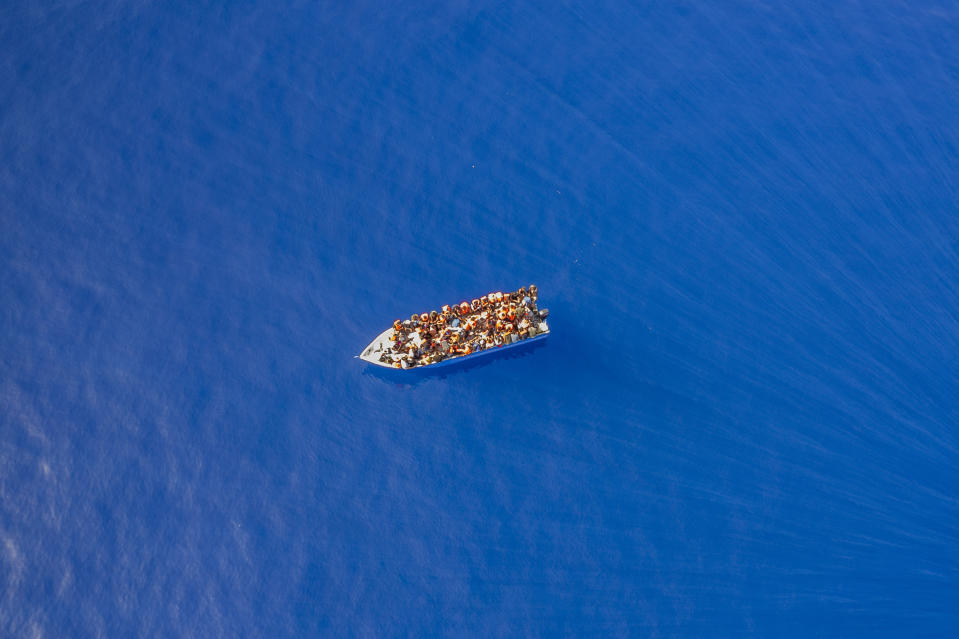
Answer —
(743, 217)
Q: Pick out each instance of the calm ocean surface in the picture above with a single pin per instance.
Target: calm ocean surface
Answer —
(743, 218)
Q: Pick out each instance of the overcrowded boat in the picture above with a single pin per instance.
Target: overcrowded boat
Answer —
(457, 332)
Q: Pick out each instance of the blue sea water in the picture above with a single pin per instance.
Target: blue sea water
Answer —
(742, 216)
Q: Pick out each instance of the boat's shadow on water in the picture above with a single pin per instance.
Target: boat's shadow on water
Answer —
(417, 376)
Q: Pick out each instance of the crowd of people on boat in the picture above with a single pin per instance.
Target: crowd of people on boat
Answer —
(494, 320)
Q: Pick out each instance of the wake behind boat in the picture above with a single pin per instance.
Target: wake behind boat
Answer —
(486, 325)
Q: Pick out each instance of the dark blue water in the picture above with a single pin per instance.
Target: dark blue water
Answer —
(743, 218)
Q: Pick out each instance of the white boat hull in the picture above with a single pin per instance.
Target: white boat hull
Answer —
(372, 352)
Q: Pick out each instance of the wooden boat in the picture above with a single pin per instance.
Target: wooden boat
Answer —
(380, 352)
